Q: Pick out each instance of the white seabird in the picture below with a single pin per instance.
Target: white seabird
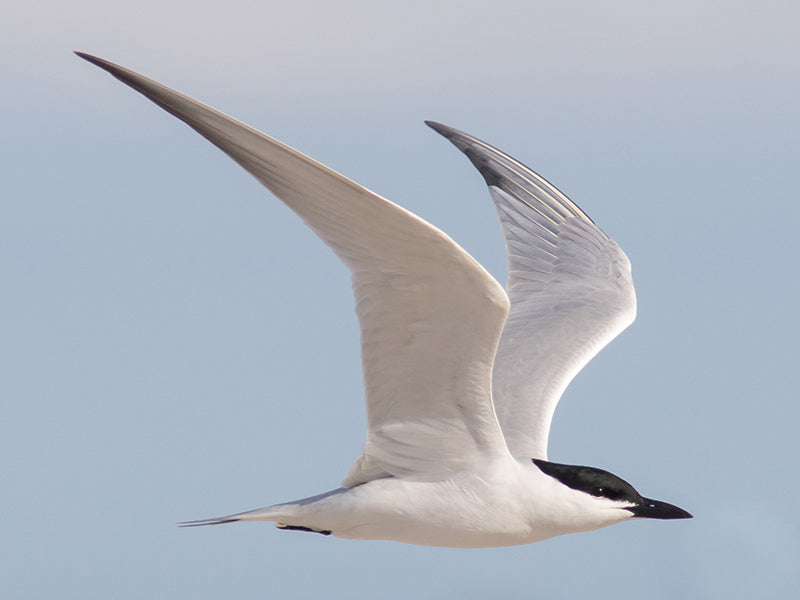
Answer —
(458, 415)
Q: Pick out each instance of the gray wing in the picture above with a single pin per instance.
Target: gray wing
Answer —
(570, 288)
(430, 315)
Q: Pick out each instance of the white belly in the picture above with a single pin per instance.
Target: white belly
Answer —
(466, 512)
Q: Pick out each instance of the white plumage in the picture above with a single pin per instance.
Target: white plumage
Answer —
(447, 460)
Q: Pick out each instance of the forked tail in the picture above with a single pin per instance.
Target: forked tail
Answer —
(300, 515)
(262, 514)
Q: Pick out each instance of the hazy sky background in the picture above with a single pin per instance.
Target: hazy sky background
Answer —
(175, 344)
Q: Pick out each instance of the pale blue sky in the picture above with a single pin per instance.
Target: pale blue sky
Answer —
(176, 345)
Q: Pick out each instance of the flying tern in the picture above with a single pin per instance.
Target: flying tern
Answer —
(462, 377)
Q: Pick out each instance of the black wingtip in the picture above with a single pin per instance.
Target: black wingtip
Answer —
(92, 59)
(121, 73)
(444, 130)
(459, 139)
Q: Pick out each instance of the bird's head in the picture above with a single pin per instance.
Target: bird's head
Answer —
(614, 491)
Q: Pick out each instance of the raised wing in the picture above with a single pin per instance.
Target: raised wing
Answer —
(570, 288)
(430, 315)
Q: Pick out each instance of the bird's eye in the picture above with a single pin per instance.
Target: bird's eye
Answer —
(599, 491)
